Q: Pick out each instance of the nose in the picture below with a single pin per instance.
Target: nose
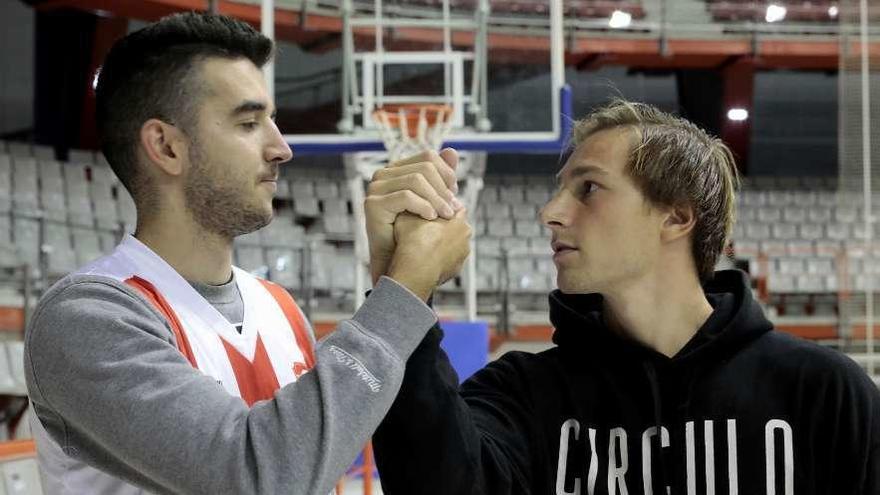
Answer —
(553, 213)
(277, 150)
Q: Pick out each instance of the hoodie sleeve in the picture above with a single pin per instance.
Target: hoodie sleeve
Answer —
(438, 439)
(872, 481)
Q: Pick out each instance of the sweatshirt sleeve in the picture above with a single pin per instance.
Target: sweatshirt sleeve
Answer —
(438, 439)
(109, 385)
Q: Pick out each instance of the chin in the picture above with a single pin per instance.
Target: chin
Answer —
(568, 286)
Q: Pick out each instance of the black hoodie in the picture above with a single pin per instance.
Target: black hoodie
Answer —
(741, 409)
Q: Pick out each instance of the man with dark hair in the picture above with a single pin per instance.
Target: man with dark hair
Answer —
(161, 367)
(665, 377)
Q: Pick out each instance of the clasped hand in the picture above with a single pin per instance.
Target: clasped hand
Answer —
(417, 229)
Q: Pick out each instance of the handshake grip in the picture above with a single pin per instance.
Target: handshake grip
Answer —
(417, 229)
(429, 252)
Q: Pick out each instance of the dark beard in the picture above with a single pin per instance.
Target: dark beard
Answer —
(216, 207)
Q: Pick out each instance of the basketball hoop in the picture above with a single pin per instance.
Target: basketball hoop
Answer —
(412, 127)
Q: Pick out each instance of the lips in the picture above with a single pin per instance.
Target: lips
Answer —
(561, 249)
(559, 246)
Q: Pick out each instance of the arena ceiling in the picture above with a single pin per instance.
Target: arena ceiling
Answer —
(319, 31)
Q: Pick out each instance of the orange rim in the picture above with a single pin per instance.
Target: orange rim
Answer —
(411, 112)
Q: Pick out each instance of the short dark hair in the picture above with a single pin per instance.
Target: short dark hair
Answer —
(149, 74)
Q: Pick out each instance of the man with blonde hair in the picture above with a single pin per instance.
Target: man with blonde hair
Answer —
(666, 377)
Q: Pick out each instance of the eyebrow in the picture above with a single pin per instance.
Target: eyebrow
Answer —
(249, 106)
(579, 170)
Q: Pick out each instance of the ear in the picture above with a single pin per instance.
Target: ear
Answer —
(165, 145)
(679, 222)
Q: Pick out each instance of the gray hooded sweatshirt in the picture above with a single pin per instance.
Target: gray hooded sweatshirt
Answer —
(109, 385)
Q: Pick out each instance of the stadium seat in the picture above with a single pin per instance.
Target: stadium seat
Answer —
(525, 211)
(86, 244)
(285, 266)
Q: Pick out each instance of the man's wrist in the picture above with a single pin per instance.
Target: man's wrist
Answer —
(419, 281)
(378, 267)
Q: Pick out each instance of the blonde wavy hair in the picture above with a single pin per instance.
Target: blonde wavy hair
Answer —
(675, 163)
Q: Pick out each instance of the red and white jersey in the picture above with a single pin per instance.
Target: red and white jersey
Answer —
(274, 347)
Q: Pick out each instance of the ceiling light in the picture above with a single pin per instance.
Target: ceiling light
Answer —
(737, 114)
(619, 19)
(775, 13)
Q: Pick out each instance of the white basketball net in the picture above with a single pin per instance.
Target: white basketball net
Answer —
(431, 125)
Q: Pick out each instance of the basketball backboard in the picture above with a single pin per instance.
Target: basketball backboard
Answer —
(499, 67)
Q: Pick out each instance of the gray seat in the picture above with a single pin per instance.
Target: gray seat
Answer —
(251, 258)
(781, 283)
(799, 247)
(527, 228)
(804, 199)
(488, 245)
(25, 197)
(489, 194)
(790, 266)
(106, 216)
(757, 231)
(525, 211)
(516, 246)
(86, 244)
(19, 149)
(81, 156)
(769, 214)
(785, 231)
(827, 248)
(794, 214)
(282, 232)
(335, 206)
(306, 206)
(845, 214)
(774, 248)
(109, 240)
(126, 209)
(285, 266)
(746, 214)
(250, 239)
(500, 228)
(820, 266)
(837, 231)
(512, 194)
(301, 188)
(26, 237)
(283, 191)
(326, 189)
(492, 211)
(811, 231)
(43, 152)
(337, 224)
(343, 270)
(538, 195)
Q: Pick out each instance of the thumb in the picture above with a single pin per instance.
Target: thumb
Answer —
(450, 156)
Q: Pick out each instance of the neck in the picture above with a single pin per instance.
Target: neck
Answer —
(659, 311)
(197, 255)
